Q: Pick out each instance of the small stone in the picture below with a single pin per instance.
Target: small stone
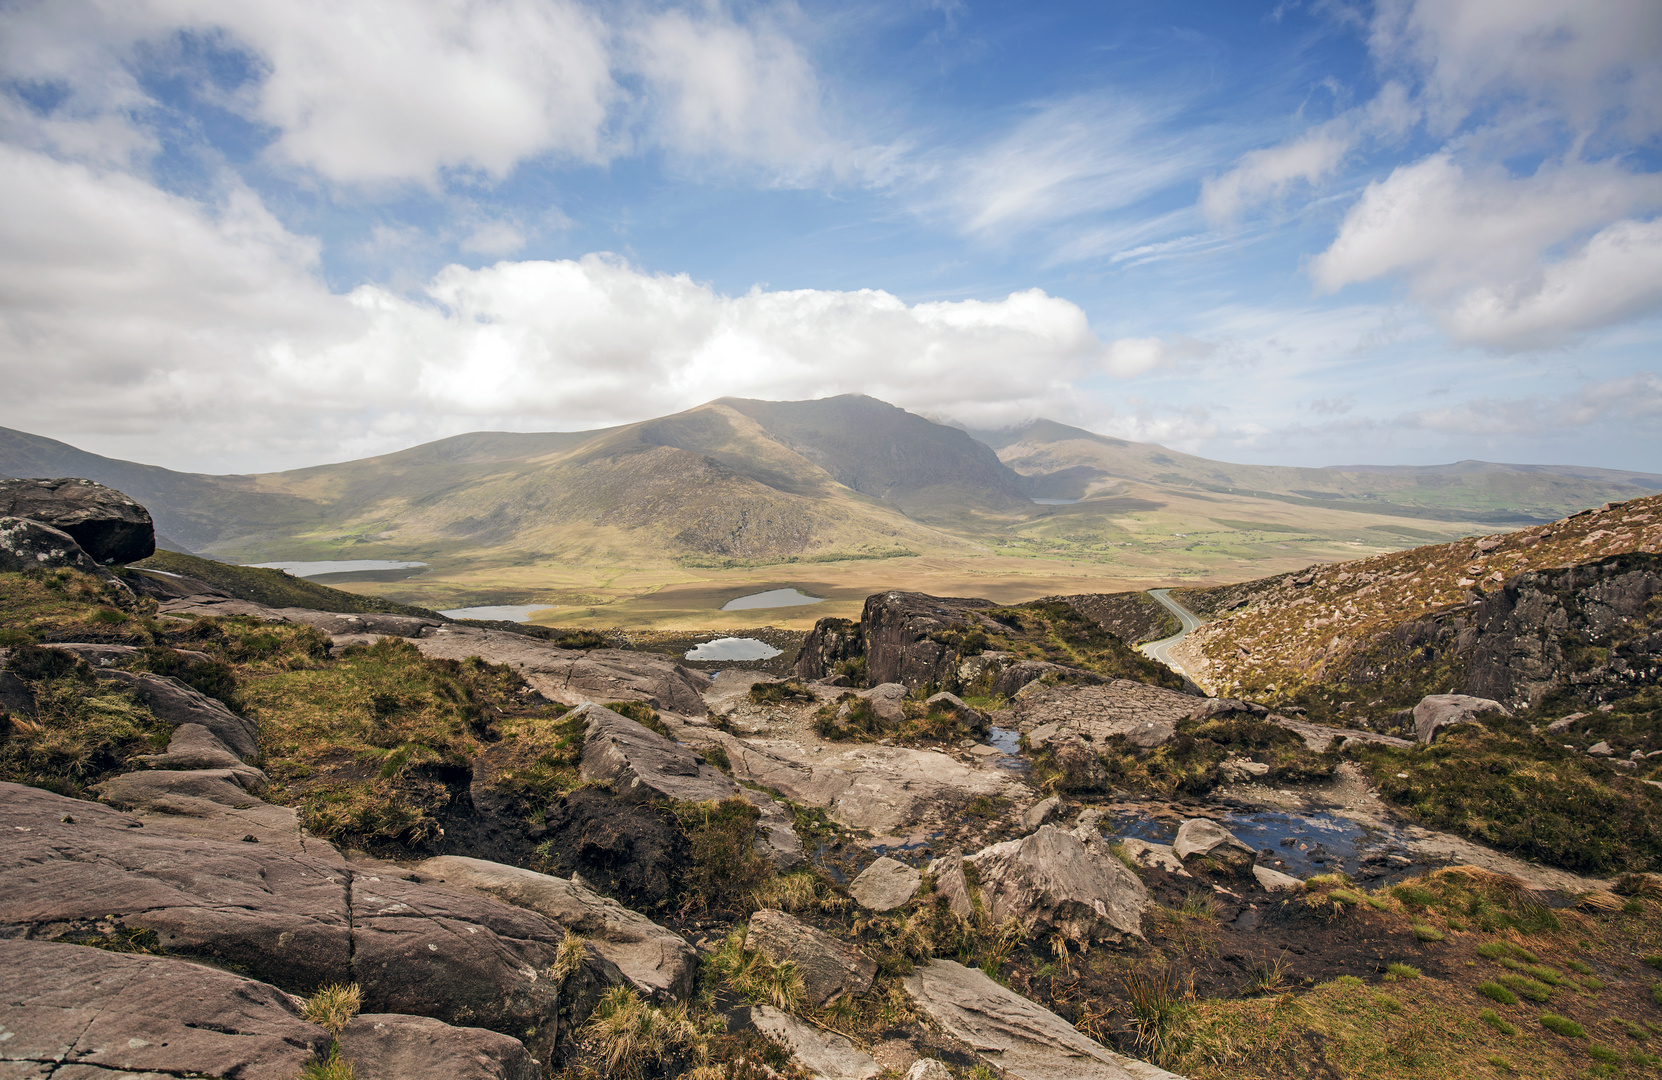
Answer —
(928, 1069)
(1600, 749)
(1042, 812)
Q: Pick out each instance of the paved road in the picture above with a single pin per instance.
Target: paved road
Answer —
(1161, 650)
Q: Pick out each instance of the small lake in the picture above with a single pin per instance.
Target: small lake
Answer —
(1309, 843)
(497, 612)
(771, 598)
(733, 648)
(1055, 502)
(338, 566)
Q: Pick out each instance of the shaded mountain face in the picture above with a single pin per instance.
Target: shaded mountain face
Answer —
(1064, 462)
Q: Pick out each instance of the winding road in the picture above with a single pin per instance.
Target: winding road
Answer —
(1161, 650)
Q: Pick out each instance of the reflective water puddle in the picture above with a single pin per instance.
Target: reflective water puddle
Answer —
(733, 648)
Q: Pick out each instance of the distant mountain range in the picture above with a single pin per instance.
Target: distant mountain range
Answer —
(836, 478)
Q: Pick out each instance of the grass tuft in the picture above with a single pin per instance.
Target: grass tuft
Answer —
(333, 1007)
(1426, 932)
(1496, 992)
(1494, 1020)
(1402, 971)
(1563, 1025)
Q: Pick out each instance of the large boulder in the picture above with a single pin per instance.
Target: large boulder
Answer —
(573, 676)
(1054, 881)
(885, 885)
(902, 633)
(29, 545)
(658, 962)
(1023, 1040)
(109, 527)
(1014, 678)
(1437, 711)
(829, 968)
(420, 1048)
(1217, 847)
(642, 765)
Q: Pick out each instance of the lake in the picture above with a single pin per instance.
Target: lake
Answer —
(770, 599)
(1055, 502)
(733, 648)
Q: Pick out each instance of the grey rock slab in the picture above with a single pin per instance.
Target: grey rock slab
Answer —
(1146, 715)
(1023, 1039)
(1436, 711)
(575, 676)
(1564, 723)
(1205, 837)
(218, 605)
(1275, 880)
(379, 624)
(776, 835)
(210, 805)
(1042, 812)
(1152, 856)
(642, 765)
(829, 967)
(98, 1010)
(655, 960)
(420, 1048)
(1064, 882)
(1319, 736)
(1017, 677)
(108, 526)
(99, 654)
(30, 545)
(193, 746)
(885, 885)
(176, 703)
(826, 1055)
(1600, 749)
(928, 1069)
(886, 701)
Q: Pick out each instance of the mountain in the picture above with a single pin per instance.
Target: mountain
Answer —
(1065, 462)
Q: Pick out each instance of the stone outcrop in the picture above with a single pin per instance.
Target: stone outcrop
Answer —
(178, 704)
(885, 885)
(573, 676)
(829, 968)
(1145, 715)
(1011, 679)
(1022, 1039)
(108, 526)
(902, 634)
(658, 962)
(1042, 812)
(829, 645)
(420, 1048)
(952, 883)
(1055, 881)
(642, 765)
(1437, 711)
(1275, 881)
(379, 624)
(29, 545)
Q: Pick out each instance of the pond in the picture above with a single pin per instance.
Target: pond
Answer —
(496, 612)
(733, 648)
(1055, 502)
(338, 566)
(1309, 843)
(770, 599)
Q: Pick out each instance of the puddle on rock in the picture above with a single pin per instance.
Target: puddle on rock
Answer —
(1307, 844)
(1008, 741)
(771, 599)
(733, 648)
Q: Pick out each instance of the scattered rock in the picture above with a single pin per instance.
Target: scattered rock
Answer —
(1226, 708)
(29, 545)
(1145, 715)
(1014, 678)
(928, 1069)
(1437, 711)
(1042, 812)
(829, 968)
(1275, 880)
(1205, 838)
(1080, 767)
(1239, 769)
(885, 885)
(827, 1056)
(885, 700)
(1152, 856)
(1013, 1034)
(972, 718)
(776, 832)
(1600, 749)
(655, 960)
(1066, 882)
(107, 525)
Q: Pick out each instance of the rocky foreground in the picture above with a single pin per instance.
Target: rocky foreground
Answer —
(960, 841)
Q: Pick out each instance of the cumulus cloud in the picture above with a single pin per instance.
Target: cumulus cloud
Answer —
(1477, 246)
(212, 323)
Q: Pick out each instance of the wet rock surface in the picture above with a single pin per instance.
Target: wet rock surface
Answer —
(107, 525)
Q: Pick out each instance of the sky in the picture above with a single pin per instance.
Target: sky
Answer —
(248, 236)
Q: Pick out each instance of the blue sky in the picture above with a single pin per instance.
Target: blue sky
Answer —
(246, 236)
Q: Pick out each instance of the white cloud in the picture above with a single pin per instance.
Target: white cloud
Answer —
(1267, 174)
(212, 326)
(1478, 247)
(1129, 357)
